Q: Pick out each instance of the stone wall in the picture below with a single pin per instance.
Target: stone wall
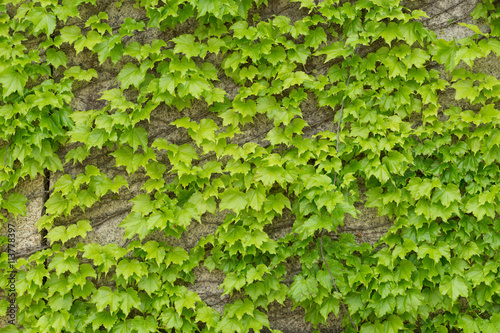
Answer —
(110, 211)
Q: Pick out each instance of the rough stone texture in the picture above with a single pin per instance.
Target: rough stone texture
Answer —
(369, 227)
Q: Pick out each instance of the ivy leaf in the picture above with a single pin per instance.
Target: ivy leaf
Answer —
(465, 90)
(150, 283)
(56, 58)
(393, 324)
(256, 197)
(372, 328)
(453, 287)
(79, 74)
(86, 198)
(128, 268)
(384, 306)
(233, 199)
(103, 318)
(64, 184)
(104, 297)
(315, 38)
(232, 281)
(303, 288)
(80, 229)
(145, 325)
(193, 85)
(331, 304)
(186, 44)
(63, 263)
(56, 204)
(60, 302)
(240, 308)
(208, 316)
(135, 223)
(13, 80)
(329, 200)
(176, 255)
(154, 251)
(143, 204)
(123, 327)
(128, 300)
(277, 203)
(70, 33)
(42, 20)
(444, 52)
(447, 194)
(59, 320)
(333, 51)
(171, 319)
(130, 75)
(58, 234)
(468, 324)
(270, 175)
(15, 204)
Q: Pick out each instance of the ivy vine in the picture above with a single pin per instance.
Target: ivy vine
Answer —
(433, 169)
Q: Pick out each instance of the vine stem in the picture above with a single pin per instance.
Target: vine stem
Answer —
(333, 280)
(335, 182)
(341, 113)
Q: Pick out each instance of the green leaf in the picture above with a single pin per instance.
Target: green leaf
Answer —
(384, 306)
(240, 308)
(453, 287)
(447, 194)
(56, 204)
(15, 204)
(233, 281)
(56, 58)
(123, 327)
(315, 37)
(13, 80)
(176, 255)
(233, 199)
(128, 268)
(303, 288)
(186, 44)
(171, 319)
(79, 74)
(42, 20)
(135, 223)
(331, 304)
(103, 318)
(143, 204)
(393, 324)
(130, 75)
(70, 33)
(60, 302)
(64, 184)
(277, 203)
(150, 283)
(270, 175)
(332, 51)
(10, 329)
(145, 325)
(104, 297)
(372, 328)
(468, 324)
(315, 223)
(128, 300)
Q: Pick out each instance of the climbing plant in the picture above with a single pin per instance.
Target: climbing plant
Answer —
(433, 169)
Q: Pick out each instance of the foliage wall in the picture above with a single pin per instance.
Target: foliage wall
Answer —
(371, 65)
